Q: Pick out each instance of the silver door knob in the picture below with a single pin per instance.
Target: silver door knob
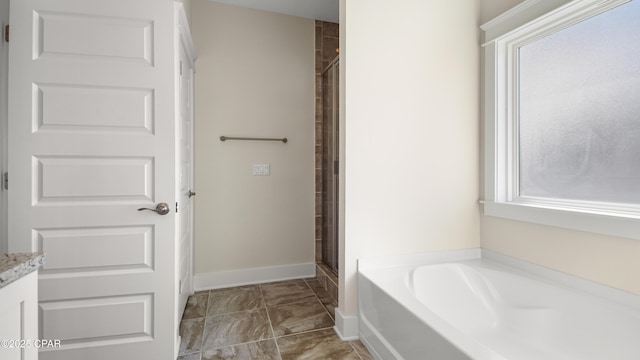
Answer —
(161, 209)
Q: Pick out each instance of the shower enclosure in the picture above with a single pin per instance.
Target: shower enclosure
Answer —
(330, 152)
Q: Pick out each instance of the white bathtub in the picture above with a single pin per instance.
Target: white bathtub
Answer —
(479, 305)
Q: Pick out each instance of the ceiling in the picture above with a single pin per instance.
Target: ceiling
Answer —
(326, 10)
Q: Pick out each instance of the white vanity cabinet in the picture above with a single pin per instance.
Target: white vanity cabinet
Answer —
(19, 306)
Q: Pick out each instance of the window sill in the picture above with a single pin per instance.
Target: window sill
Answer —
(600, 222)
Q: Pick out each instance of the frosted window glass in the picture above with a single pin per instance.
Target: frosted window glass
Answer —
(579, 110)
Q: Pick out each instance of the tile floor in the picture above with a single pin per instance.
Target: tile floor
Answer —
(281, 321)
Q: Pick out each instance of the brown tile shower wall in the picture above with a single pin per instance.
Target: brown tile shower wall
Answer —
(327, 41)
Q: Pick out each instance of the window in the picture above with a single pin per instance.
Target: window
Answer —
(562, 143)
(579, 110)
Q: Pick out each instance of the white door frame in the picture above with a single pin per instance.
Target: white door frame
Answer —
(4, 84)
(184, 68)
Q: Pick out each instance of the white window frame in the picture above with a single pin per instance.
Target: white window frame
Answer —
(527, 22)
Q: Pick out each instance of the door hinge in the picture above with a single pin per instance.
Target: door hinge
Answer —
(180, 67)
(5, 180)
(176, 206)
(6, 33)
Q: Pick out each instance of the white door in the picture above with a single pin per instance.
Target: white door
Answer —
(92, 139)
(184, 155)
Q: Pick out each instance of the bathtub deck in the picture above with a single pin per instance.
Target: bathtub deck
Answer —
(474, 304)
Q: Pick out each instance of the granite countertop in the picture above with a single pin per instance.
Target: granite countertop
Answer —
(15, 266)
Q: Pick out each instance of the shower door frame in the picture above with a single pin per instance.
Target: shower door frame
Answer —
(330, 255)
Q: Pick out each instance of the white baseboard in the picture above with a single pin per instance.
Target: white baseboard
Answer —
(224, 279)
(346, 326)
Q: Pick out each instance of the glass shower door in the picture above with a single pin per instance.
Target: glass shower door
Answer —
(330, 156)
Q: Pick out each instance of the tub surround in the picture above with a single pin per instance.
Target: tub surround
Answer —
(403, 295)
(15, 266)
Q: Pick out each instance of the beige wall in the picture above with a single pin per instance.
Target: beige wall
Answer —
(608, 260)
(604, 259)
(489, 9)
(254, 77)
(410, 111)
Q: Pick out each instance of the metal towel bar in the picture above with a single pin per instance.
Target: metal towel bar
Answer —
(225, 138)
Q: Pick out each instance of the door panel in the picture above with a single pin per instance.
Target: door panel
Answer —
(94, 108)
(69, 34)
(72, 320)
(64, 179)
(124, 249)
(92, 139)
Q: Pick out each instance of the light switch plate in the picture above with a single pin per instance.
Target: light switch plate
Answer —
(261, 169)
